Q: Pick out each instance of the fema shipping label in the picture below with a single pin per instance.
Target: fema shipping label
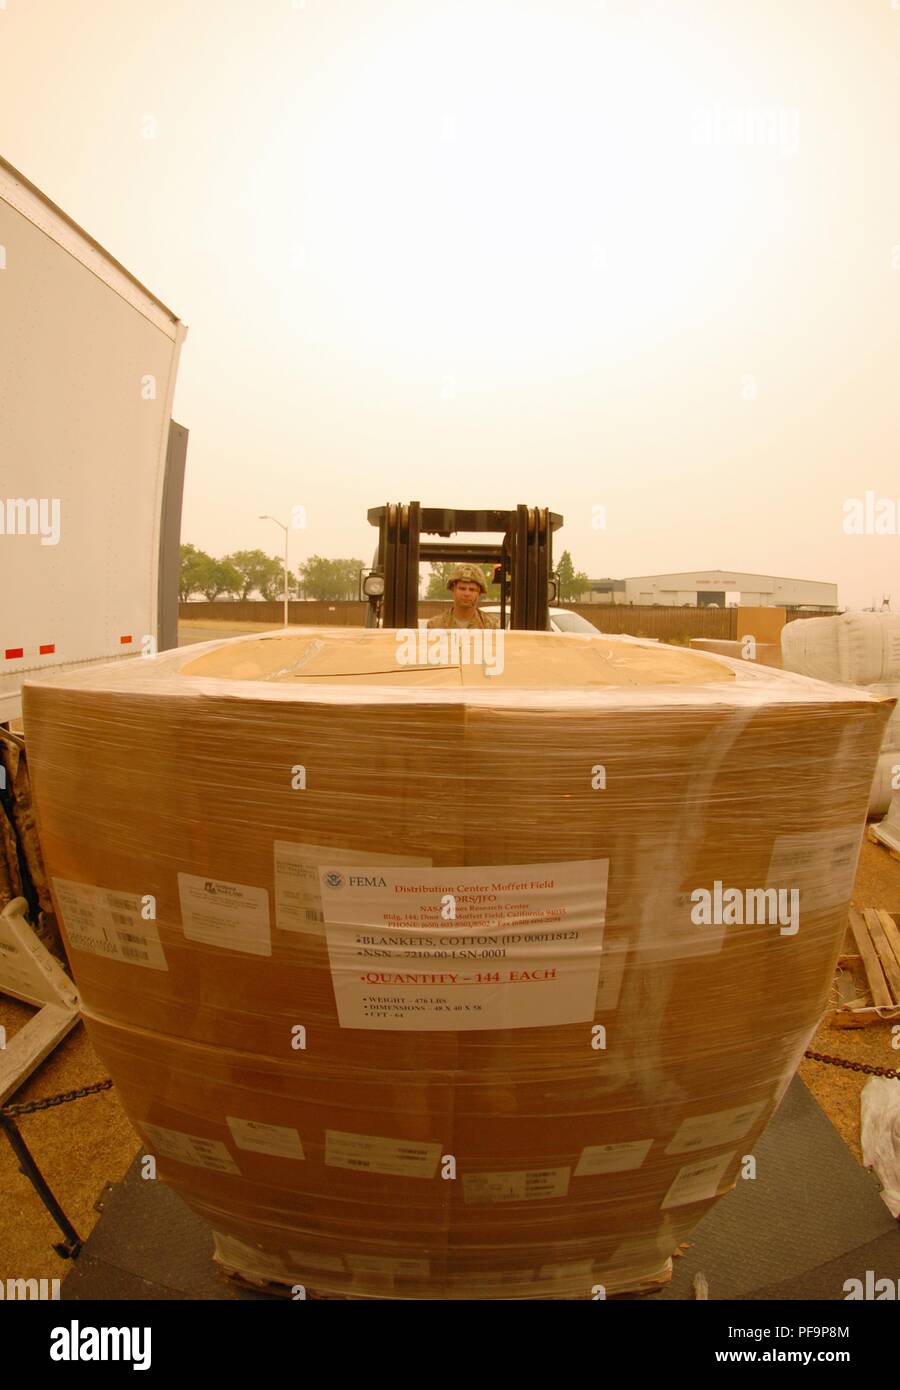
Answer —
(453, 949)
(107, 922)
(298, 897)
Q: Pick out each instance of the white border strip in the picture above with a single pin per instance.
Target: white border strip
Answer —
(44, 215)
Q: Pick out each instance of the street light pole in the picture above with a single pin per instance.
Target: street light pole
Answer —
(285, 530)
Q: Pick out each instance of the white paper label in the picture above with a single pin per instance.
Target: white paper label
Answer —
(719, 1127)
(821, 863)
(265, 1139)
(247, 1258)
(613, 1158)
(368, 1153)
(298, 897)
(190, 1148)
(530, 1186)
(108, 922)
(234, 916)
(516, 946)
(697, 1181)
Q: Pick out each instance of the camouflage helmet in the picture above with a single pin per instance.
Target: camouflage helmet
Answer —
(470, 572)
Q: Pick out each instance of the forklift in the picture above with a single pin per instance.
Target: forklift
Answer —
(522, 559)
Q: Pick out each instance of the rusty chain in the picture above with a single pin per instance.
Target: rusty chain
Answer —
(28, 1107)
(853, 1066)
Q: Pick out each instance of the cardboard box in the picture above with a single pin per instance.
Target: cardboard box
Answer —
(400, 967)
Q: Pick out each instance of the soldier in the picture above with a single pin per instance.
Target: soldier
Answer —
(466, 583)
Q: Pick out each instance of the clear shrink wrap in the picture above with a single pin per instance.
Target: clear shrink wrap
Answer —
(886, 780)
(450, 967)
(850, 648)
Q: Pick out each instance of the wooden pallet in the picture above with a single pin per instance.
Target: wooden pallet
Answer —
(873, 836)
(874, 970)
(280, 1288)
(29, 973)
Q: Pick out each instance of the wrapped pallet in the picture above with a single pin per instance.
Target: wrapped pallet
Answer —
(434, 970)
(888, 830)
(849, 648)
(854, 649)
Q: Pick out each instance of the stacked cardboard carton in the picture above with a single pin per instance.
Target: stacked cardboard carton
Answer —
(442, 972)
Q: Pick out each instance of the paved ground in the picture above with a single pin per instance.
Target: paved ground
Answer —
(191, 632)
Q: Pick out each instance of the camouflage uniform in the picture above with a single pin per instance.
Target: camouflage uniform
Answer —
(447, 618)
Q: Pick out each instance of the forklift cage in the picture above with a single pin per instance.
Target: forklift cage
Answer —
(525, 554)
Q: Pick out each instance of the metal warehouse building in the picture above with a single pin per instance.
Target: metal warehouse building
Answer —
(718, 587)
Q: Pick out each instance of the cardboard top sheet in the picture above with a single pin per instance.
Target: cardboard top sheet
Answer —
(472, 657)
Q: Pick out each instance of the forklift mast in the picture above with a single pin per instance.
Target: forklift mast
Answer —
(524, 555)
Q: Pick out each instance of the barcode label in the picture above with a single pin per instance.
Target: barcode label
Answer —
(516, 1187)
(107, 922)
(373, 1154)
(313, 916)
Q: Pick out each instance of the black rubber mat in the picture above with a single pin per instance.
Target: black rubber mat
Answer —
(809, 1220)
(810, 1211)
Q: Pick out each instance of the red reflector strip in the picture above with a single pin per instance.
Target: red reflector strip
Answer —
(47, 649)
(126, 640)
(12, 652)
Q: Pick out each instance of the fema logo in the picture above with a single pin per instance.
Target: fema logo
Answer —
(334, 879)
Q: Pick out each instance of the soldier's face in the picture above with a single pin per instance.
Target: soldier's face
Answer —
(466, 593)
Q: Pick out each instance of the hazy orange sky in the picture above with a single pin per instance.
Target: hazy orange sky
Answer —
(640, 255)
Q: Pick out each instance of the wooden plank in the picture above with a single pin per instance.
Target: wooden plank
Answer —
(24, 1052)
(873, 835)
(27, 969)
(891, 931)
(856, 1018)
(886, 956)
(874, 973)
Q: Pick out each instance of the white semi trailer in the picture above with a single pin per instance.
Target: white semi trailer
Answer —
(91, 463)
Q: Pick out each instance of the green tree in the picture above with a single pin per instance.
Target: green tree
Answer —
(217, 577)
(437, 581)
(258, 572)
(193, 568)
(274, 588)
(572, 584)
(329, 579)
(440, 573)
